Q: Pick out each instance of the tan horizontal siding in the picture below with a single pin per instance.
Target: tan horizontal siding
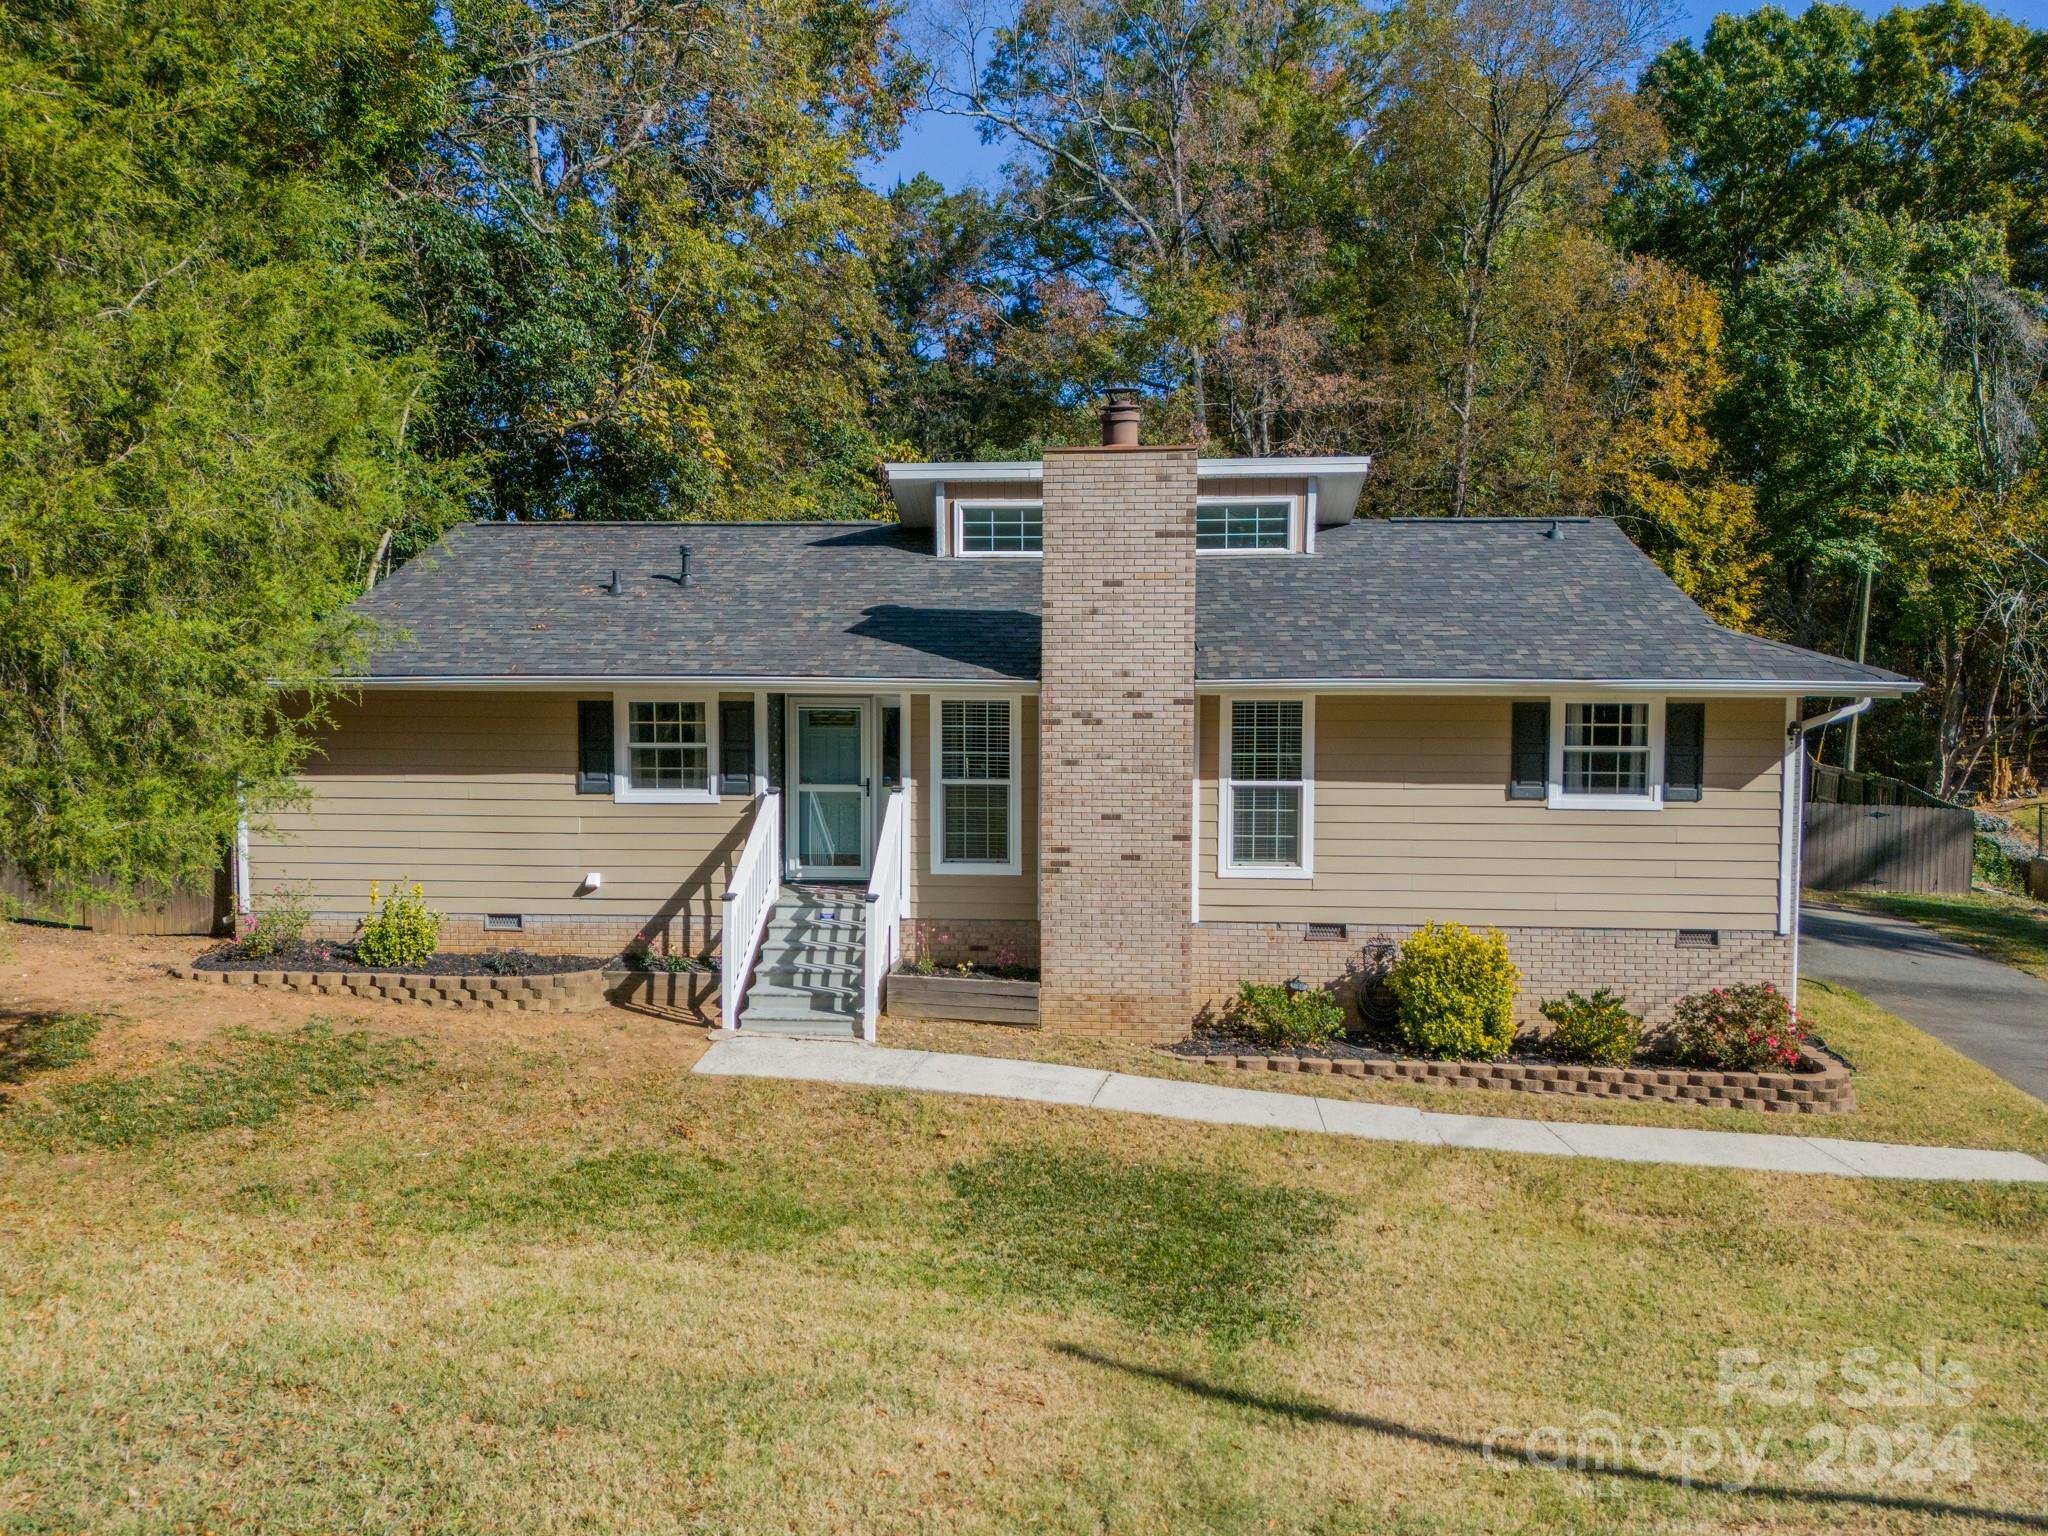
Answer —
(1253, 487)
(474, 796)
(937, 898)
(1412, 823)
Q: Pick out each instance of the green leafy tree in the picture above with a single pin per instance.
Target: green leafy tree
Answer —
(1773, 122)
(208, 412)
(1187, 169)
(1840, 404)
(645, 248)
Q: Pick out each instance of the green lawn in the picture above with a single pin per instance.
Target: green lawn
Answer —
(330, 1277)
(2007, 928)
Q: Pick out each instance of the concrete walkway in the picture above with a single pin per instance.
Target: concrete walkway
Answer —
(1040, 1082)
(1993, 1014)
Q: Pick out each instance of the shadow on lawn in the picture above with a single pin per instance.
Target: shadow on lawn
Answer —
(1305, 1411)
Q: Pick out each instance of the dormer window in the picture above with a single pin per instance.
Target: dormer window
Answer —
(1001, 528)
(1245, 527)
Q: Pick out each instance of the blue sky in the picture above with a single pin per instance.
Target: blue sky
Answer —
(950, 148)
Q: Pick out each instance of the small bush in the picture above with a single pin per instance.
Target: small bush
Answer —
(1282, 1016)
(278, 926)
(1992, 865)
(1738, 1029)
(1457, 992)
(401, 931)
(1599, 1029)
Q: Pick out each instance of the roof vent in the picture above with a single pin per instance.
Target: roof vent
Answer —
(1120, 420)
(683, 572)
(613, 586)
(1555, 531)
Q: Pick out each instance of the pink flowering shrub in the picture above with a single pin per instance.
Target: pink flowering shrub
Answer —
(1739, 1029)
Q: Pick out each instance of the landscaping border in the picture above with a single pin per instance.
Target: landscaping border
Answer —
(558, 992)
(1825, 1091)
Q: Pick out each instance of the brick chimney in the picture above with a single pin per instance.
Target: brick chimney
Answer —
(1117, 735)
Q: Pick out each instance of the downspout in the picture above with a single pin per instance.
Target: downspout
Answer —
(1794, 829)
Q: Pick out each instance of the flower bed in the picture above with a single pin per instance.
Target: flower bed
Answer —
(976, 999)
(312, 955)
(1821, 1086)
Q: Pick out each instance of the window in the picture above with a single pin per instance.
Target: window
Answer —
(976, 815)
(736, 746)
(1607, 753)
(1267, 801)
(1238, 526)
(1002, 528)
(665, 750)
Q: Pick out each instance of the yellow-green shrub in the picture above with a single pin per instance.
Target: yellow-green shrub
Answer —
(1457, 992)
(401, 929)
(1599, 1029)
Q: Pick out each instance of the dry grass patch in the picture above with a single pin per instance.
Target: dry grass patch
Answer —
(522, 1286)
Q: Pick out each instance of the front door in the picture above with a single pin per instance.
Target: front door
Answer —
(831, 810)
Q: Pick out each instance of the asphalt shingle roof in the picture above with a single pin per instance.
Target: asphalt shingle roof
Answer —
(1425, 601)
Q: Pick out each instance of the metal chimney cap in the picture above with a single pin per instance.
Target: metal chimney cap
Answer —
(1120, 420)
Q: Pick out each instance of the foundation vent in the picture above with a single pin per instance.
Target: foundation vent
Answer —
(504, 922)
(1327, 930)
(1699, 938)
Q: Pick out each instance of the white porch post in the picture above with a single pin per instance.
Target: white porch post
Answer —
(906, 761)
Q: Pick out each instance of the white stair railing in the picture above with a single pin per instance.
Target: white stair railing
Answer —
(749, 903)
(885, 909)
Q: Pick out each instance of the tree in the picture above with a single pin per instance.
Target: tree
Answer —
(1840, 405)
(210, 415)
(1774, 122)
(1499, 105)
(1186, 166)
(983, 359)
(643, 239)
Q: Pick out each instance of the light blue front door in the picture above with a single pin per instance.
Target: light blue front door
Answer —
(831, 832)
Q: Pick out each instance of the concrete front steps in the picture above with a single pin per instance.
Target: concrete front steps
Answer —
(807, 982)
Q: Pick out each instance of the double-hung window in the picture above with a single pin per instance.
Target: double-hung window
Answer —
(1268, 801)
(1607, 753)
(1001, 528)
(666, 747)
(1244, 527)
(976, 814)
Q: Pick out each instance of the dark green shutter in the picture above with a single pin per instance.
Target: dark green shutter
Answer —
(1529, 757)
(736, 747)
(593, 746)
(1685, 750)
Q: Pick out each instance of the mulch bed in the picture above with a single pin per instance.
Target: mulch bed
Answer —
(341, 959)
(1218, 1043)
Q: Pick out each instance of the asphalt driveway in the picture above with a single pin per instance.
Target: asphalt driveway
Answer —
(1993, 1014)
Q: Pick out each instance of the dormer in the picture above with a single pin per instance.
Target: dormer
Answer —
(1251, 507)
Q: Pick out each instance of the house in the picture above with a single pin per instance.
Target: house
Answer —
(1153, 722)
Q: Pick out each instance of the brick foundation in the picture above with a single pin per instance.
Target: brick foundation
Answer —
(978, 940)
(1646, 965)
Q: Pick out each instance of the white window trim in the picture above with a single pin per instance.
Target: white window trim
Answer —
(941, 865)
(1559, 800)
(624, 791)
(1227, 867)
(1295, 521)
(966, 504)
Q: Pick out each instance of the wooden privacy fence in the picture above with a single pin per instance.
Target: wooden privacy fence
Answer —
(1867, 832)
(204, 906)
